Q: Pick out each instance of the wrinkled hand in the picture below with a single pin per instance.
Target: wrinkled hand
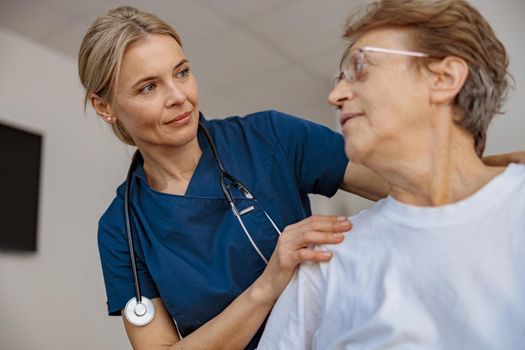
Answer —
(296, 245)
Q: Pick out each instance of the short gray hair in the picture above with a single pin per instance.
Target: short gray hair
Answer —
(443, 28)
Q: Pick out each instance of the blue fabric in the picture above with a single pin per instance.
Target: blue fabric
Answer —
(190, 249)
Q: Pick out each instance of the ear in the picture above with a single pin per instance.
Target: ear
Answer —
(447, 78)
(103, 108)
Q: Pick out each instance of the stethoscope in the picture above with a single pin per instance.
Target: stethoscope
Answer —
(140, 310)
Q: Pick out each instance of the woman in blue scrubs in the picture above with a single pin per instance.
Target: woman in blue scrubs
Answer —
(210, 287)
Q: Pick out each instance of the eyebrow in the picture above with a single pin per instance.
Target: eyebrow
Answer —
(153, 77)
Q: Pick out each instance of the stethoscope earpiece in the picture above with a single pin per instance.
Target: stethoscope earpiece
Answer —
(139, 314)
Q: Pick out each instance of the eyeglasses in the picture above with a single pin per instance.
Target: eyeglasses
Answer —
(353, 67)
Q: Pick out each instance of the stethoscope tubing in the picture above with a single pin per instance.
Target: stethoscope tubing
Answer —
(140, 310)
(127, 213)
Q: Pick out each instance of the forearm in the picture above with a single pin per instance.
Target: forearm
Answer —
(504, 159)
(364, 182)
(235, 326)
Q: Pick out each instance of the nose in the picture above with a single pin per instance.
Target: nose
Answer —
(175, 95)
(341, 93)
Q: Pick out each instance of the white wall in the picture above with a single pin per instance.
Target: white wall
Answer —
(55, 299)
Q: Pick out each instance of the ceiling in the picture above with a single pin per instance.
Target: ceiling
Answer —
(248, 55)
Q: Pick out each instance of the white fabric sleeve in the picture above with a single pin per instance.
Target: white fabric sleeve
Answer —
(296, 315)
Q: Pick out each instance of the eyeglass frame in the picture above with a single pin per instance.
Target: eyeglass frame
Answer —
(345, 73)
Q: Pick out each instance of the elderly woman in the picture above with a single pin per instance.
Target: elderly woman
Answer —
(440, 263)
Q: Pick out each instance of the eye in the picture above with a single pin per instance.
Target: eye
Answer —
(147, 89)
(359, 65)
(184, 73)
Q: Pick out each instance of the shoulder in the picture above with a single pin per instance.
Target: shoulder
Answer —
(273, 129)
(520, 180)
(112, 220)
(509, 186)
(367, 225)
(261, 121)
(517, 172)
(364, 248)
(511, 191)
(285, 129)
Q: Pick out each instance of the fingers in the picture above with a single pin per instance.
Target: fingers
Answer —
(322, 223)
(317, 230)
(309, 254)
(309, 238)
(290, 256)
(296, 243)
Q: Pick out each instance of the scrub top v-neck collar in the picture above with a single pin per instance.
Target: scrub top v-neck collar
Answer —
(191, 251)
(204, 182)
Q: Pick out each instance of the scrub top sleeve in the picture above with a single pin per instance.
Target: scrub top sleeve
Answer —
(116, 264)
(316, 152)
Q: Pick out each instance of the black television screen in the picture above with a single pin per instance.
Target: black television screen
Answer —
(20, 153)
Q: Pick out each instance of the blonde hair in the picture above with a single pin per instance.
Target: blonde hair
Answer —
(443, 28)
(104, 45)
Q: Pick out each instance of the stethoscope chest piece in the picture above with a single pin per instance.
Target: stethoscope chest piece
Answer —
(139, 314)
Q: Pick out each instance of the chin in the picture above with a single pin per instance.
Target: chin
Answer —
(182, 136)
(355, 153)
(187, 136)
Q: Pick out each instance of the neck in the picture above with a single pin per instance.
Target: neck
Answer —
(440, 168)
(170, 170)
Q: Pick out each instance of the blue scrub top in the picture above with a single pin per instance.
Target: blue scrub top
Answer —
(190, 249)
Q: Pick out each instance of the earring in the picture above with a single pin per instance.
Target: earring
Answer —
(108, 119)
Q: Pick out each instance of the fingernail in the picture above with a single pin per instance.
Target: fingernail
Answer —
(327, 253)
(341, 218)
(337, 235)
(344, 224)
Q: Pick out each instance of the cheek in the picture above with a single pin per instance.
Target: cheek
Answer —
(389, 107)
(137, 116)
(375, 99)
(192, 91)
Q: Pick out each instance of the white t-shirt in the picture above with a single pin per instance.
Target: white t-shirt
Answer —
(406, 277)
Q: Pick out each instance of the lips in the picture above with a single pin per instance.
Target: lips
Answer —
(181, 118)
(345, 117)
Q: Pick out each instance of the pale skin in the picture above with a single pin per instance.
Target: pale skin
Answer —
(405, 131)
(149, 96)
(157, 102)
